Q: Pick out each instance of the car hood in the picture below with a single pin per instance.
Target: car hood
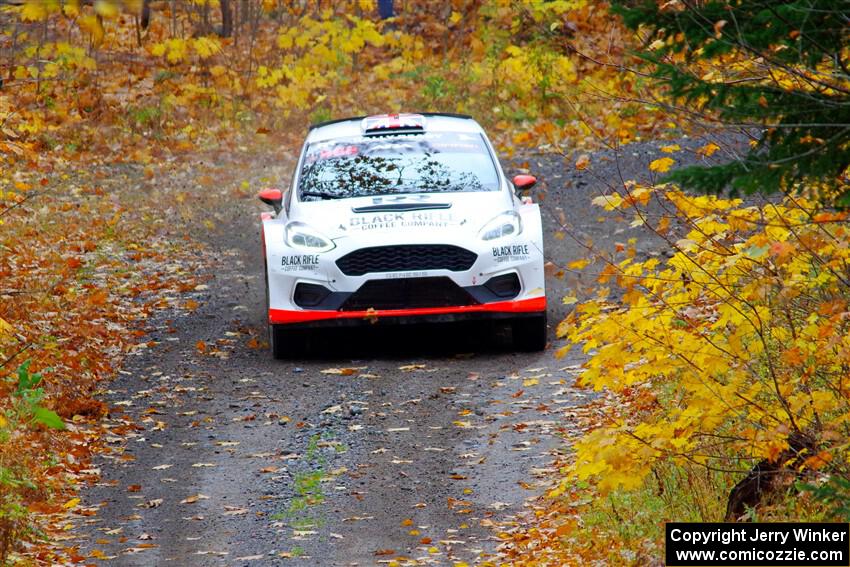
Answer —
(403, 214)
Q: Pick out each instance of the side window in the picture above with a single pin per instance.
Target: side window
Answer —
(292, 186)
(289, 194)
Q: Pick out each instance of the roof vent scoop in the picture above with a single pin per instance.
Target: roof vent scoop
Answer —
(383, 124)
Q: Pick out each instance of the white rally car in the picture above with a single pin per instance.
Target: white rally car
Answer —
(401, 218)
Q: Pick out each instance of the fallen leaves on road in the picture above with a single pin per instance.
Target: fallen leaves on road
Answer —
(194, 498)
(343, 371)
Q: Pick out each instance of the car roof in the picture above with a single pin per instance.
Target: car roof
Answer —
(351, 127)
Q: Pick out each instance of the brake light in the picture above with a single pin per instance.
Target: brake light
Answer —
(384, 123)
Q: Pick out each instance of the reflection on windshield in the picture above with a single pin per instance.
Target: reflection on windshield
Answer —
(356, 167)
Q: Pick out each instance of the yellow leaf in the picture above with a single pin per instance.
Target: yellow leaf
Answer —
(158, 49)
(708, 150)
(92, 25)
(562, 352)
(106, 8)
(6, 330)
(569, 300)
(531, 382)
(662, 165)
(71, 503)
(176, 50)
(206, 47)
(284, 41)
(608, 202)
(578, 264)
(455, 18)
(33, 11)
(671, 148)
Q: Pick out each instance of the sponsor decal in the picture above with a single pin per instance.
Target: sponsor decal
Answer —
(299, 262)
(416, 219)
(322, 152)
(511, 253)
(396, 198)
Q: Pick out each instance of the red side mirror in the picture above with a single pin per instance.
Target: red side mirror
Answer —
(272, 197)
(523, 182)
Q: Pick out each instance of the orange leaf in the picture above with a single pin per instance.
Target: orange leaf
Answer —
(582, 162)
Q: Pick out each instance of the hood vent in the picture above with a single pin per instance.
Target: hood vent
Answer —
(401, 207)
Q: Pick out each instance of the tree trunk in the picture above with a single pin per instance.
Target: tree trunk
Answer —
(146, 14)
(762, 478)
(226, 19)
(173, 9)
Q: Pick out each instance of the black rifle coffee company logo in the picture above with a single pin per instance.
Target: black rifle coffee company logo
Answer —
(510, 253)
(300, 262)
(418, 219)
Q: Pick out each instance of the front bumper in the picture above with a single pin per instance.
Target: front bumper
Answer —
(357, 294)
(495, 310)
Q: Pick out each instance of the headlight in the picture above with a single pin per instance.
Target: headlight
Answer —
(508, 223)
(300, 235)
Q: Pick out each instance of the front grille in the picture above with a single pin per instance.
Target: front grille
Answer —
(407, 257)
(406, 293)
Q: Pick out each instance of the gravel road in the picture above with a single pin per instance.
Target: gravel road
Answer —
(417, 445)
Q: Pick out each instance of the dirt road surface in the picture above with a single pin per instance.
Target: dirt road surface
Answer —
(405, 444)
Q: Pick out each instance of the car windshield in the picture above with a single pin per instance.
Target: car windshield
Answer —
(432, 162)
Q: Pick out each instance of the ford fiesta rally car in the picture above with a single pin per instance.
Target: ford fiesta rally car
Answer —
(401, 218)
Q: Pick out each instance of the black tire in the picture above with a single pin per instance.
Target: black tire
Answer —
(285, 343)
(529, 333)
(269, 326)
(277, 342)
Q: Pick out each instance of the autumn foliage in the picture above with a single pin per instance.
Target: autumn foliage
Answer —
(730, 354)
(94, 93)
(723, 373)
(721, 367)
(88, 78)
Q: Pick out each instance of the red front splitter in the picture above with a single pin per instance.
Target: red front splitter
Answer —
(283, 316)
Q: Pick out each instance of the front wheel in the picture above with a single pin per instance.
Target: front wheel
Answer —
(283, 342)
(529, 333)
(287, 343)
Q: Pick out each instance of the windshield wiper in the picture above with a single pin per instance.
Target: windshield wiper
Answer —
(320, 194)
